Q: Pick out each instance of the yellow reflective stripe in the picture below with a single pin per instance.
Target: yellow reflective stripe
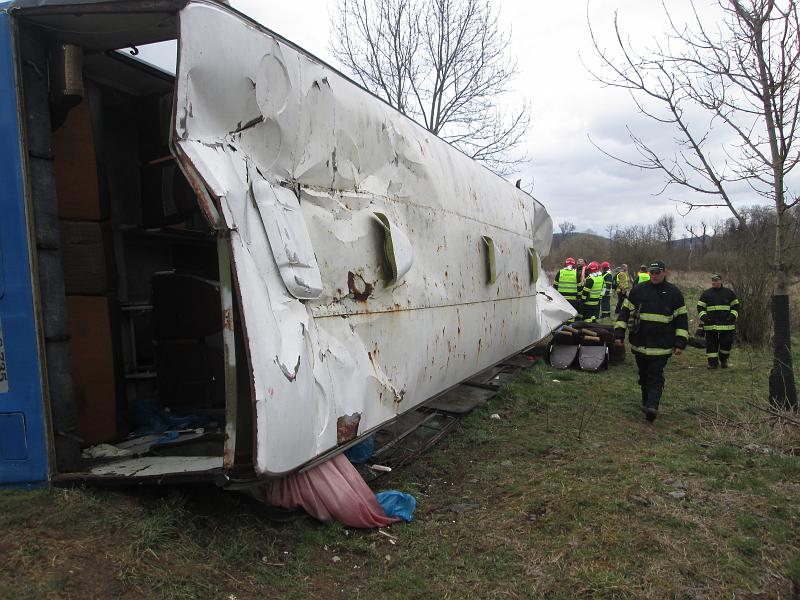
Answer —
(682, 333)
(720, 327)
(620, 325)
(701, 313)
(701, 303)
(712, 355)
(724, 352)
(735, 302)
(656, 318)
(592, 302)
(679, 311)
(718, 307)
(652, 351)
(735, 313)
(628, 304)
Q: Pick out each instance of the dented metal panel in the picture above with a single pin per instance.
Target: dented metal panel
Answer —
(334, 357)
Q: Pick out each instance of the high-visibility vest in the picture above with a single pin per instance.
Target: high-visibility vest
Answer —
(596, 290)
(643, 277)
(567, 284)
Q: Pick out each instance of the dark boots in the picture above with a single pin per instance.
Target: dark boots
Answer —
(713, 363)
(650, 412)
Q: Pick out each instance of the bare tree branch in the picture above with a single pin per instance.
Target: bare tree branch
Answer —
(742, 76)
(444, 63)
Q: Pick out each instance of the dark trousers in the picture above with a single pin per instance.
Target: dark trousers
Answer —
(620, 299)
(651, 378)
(718, 345)
(605, 306)
(591, 313)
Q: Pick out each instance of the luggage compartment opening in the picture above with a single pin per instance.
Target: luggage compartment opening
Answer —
(141, 277)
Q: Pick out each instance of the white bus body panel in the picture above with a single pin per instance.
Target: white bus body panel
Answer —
(311, 173)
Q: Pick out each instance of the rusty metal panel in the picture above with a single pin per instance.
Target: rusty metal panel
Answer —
(396, 219)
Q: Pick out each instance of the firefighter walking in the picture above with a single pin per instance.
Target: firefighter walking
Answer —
(718, 309)
(660, 329)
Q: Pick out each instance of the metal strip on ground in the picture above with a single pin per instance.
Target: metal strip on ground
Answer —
(461, 399)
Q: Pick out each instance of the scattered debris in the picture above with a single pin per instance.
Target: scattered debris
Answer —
(336, 559)
(104, 451)
(388, 535)
(677, 495)
(758, 449)
(462, 507)
(494, 416)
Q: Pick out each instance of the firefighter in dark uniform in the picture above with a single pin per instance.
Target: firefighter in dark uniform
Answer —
(567, 284)
(718, 309)
(660, 329)
(592, 293)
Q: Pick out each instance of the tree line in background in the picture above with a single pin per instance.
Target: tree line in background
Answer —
(742, 254)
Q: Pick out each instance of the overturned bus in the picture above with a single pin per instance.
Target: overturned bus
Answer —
(255, 254)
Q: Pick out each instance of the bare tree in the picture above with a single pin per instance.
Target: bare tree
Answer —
(742, 74)
(567, 228)
(665, 229)
(444, 63)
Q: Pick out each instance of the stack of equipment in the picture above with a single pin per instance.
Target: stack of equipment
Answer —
(592, 344)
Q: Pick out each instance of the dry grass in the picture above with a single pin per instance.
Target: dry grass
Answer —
(574, 497)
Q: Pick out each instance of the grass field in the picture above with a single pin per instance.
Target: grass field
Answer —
(571, 494)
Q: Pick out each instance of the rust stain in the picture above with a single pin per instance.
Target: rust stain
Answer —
(360, 290)
(347, 427)
(479, 345)
(227, 319)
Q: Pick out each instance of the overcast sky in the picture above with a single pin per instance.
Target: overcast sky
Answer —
(564, 171)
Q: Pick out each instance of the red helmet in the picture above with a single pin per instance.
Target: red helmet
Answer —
(570, 261)
(605, 265)
(593, 266)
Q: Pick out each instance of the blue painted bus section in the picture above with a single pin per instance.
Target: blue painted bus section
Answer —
(23, 440)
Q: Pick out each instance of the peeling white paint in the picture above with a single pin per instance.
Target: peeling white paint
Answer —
(329, 333)
(149, 466)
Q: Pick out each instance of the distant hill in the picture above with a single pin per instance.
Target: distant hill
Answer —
(582, 238)
(577, 236)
